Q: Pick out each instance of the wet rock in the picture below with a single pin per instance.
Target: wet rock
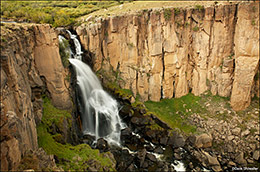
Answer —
(151, 157)
(191, 165)
(123, 158)
(131, 167)
(150, 134)
(149, 148)
(177, 156)
(139, 121)
(163, 141)
(141, 156)
(102, 145)
(126, 112)
(126, 132)
(88, 139)
(203, 141)
(158, 150)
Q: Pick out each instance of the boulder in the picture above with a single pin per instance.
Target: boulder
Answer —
(102, 145)
(236, 131)
(141, 156)
(212, 161)
(203, 141)
(176, 140)
(151, 157)
(256, 155)
(240, 159)
(158, 150)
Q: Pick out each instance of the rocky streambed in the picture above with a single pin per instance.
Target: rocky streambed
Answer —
(149, 144)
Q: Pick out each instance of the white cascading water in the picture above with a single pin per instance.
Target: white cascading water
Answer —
(77, 46)
(100, 111)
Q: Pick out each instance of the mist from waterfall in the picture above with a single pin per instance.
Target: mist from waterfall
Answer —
(100, 115)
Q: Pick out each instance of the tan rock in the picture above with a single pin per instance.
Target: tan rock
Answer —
(245, 71)
(48, 62)
(21, 90)
(165, 58)
(247, 56)
(203, 141)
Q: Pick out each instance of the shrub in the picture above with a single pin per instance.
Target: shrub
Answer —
(63, 47)
(177, 11)
(167, 14)
(199, 7)
(195, 29)
(57, 13)
(253, 22)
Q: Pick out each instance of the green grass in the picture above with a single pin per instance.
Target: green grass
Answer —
(176, 111)
(54, 115)
(66, 151)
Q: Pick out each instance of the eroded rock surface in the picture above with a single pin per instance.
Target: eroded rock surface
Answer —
(30, 66)
(167, 53)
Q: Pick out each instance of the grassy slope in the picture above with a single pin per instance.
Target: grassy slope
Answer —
(176, 111)
(66, 151)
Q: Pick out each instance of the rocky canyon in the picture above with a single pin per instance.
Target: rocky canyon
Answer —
(30, 66)
(156, 54)
(167, 53)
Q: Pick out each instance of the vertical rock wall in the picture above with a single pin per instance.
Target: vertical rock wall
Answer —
(30, 64)
(168, 53)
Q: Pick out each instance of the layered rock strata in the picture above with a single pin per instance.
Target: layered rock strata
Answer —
(30, 66)
(166, 53)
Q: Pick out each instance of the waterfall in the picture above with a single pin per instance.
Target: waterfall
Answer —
(77, 46)
(100, 115)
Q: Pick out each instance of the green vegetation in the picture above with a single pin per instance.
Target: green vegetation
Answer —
(72, 157)
(195, 29)
(130, 45)
(122, 93)
(253, 22)
(57, 13)
(186, 24)
(254, 9)
(157, 13)
(199, 7)
(177, 11)
(231, 56)
(53, 115)
(178, 23)
(167, 14)
(64, 53)
(176, 111)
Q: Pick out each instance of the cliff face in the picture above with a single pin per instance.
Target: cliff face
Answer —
(167, 53)
(25, 75)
